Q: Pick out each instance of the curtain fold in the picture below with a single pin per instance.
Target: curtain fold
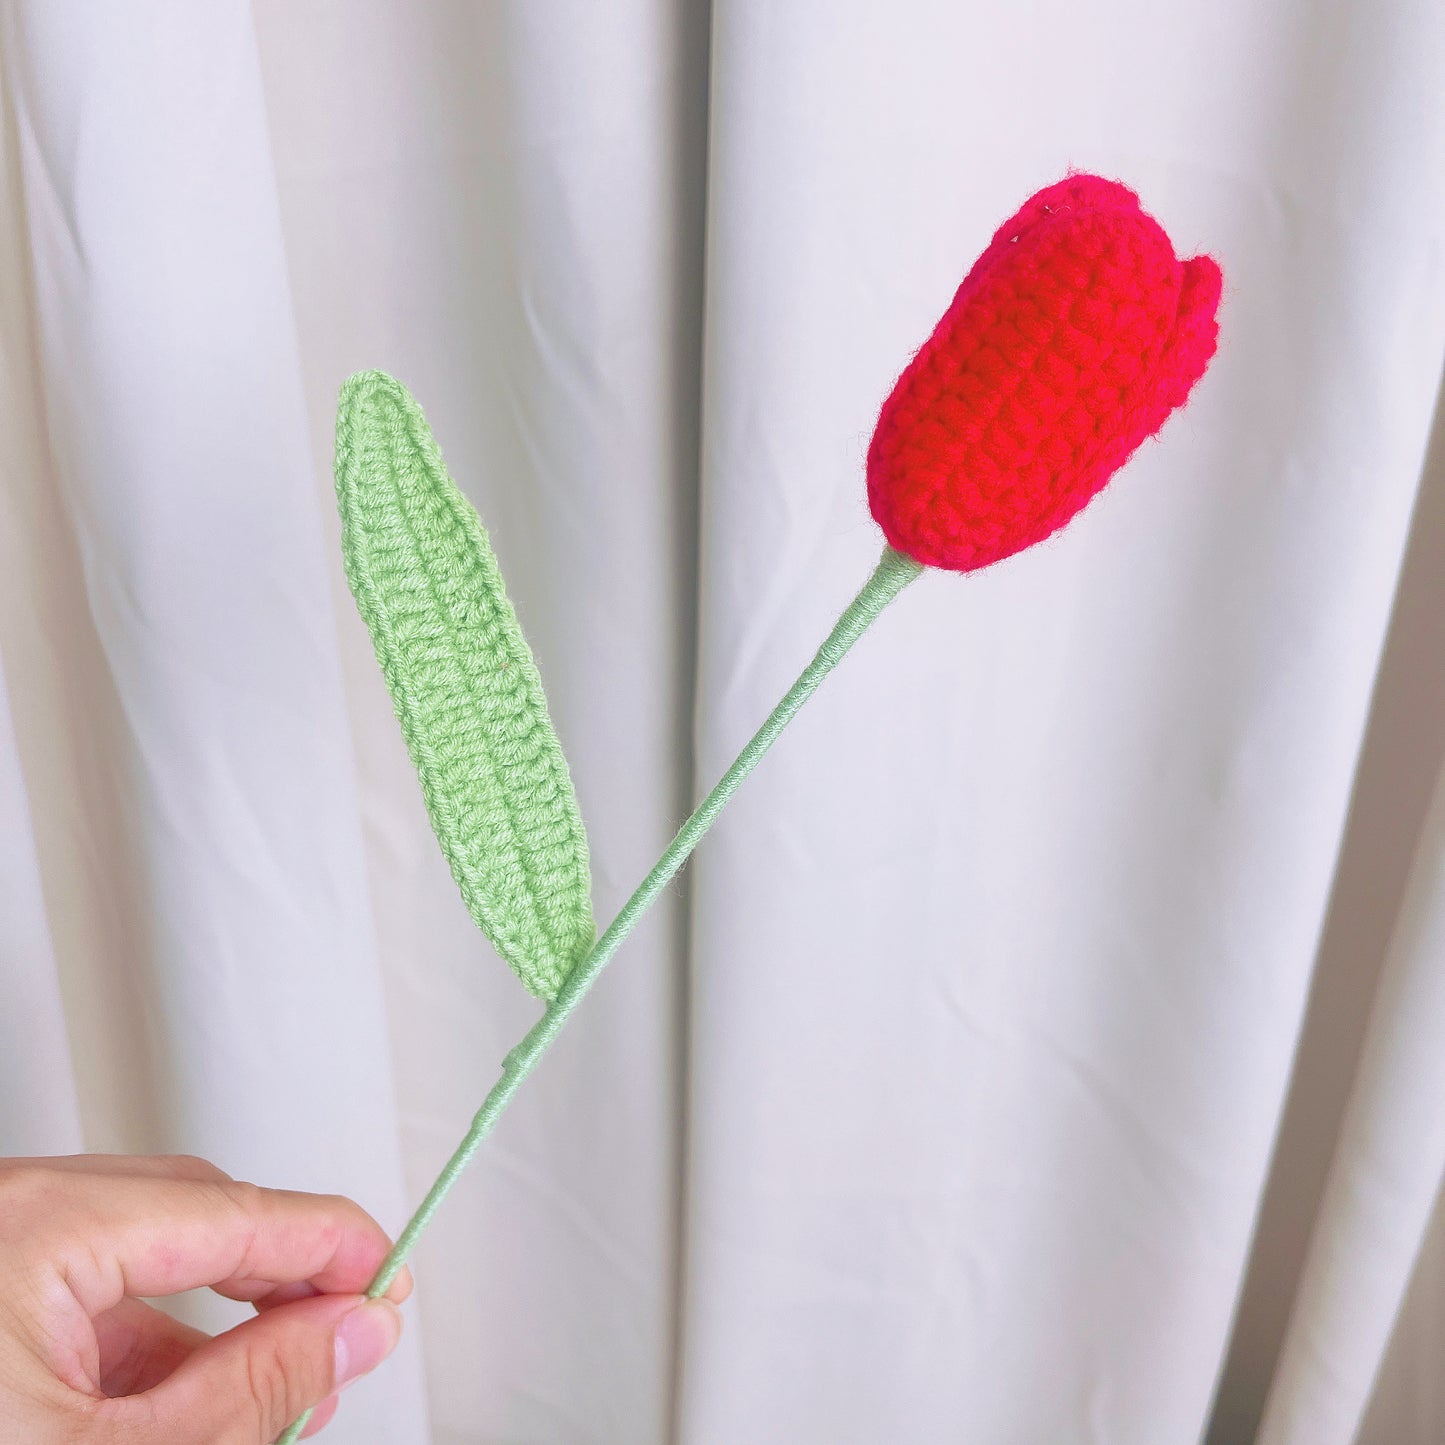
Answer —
(939, 1100)
(1383, 1182)
(36, 1072)
(177, 437)
(502, 205)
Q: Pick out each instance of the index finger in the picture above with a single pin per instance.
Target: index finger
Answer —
(116, 1235)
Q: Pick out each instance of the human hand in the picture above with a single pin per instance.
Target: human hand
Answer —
(84, 1361)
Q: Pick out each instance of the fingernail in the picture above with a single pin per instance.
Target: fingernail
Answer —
(321, 1417)
(364, 1338)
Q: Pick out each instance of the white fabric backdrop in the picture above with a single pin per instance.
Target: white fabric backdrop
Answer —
(940, 1103)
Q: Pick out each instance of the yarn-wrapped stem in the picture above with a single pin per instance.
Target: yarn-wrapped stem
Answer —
(892, 574)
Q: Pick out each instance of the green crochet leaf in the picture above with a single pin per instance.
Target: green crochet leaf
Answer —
(464, 684)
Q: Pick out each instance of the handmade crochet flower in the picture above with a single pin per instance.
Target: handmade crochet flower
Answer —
(1070, 341)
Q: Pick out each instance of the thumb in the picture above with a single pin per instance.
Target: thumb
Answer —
(247, 1385)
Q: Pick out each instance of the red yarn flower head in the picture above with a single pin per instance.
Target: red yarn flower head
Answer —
(1070, 341)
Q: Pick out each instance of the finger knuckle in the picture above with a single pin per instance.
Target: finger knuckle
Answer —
(343, 1220)
(265, 1385)
(249, 1202)
(29, 1193)
(192, 1166)
(280, 1382)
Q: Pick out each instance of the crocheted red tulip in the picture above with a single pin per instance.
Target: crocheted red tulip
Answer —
(1070, 341)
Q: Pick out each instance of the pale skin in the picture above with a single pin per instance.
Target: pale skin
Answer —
(84, 1360)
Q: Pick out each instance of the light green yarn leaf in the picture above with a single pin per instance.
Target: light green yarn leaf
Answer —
(464, 684)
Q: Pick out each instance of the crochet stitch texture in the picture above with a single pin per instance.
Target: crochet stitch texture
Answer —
(464, 685)
(1070, 341)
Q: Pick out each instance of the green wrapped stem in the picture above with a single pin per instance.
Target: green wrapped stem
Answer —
(893, 573)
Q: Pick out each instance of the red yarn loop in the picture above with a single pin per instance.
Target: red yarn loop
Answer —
(1070, 341)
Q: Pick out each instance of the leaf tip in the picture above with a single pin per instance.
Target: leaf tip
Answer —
(365, 391)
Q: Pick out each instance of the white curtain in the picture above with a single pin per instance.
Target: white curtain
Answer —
(1049, 1044)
